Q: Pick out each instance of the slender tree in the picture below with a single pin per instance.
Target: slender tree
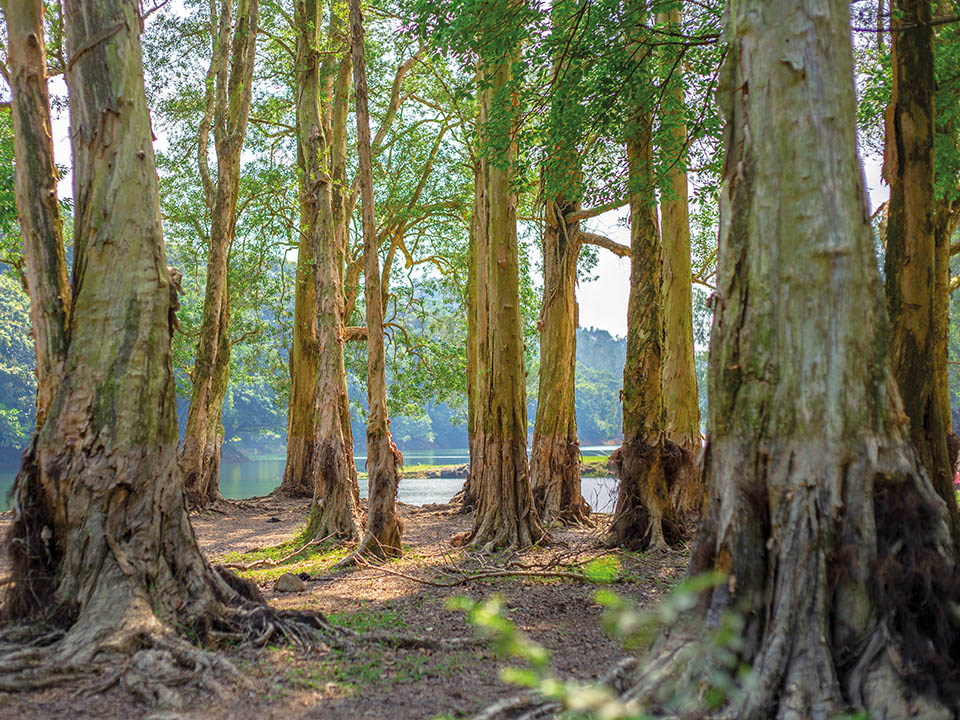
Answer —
(333, 504)
(228, 93)
(836, 548)
(383, 528)
(679, 381)
(35, 189)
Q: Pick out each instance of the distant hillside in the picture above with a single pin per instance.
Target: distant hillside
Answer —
(600, 361)
(599, 350)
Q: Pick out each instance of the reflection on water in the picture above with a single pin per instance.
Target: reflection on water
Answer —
(261, 475)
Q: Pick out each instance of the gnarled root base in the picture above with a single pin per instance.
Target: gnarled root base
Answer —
(645, 518)
(333, 507)
(297, 479)
(841, 563)
(555, 477)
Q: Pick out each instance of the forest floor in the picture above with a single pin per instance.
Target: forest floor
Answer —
(375, 681)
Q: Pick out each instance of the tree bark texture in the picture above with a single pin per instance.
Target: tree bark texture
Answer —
(555, 454)
(911, 257)
(680, 399)
(383, 528)
(35, 188)
(332, 510)
(836, 548)
(647, 462)
(505, 516)
(230, 81)
(100, 539)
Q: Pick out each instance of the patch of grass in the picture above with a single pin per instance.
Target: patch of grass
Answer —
(367, 619)
(312, 560)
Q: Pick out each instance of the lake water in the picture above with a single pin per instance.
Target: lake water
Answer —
(261, 475)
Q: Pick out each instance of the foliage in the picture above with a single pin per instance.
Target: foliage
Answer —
(715, 657)
(18, 384)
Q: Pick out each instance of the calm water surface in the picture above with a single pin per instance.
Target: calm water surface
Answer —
(261, 475)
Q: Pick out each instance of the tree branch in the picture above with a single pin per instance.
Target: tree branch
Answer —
(605, 242)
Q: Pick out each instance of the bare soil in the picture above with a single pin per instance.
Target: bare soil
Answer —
(376, 681)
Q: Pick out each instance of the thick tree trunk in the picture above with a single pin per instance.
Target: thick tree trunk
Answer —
(383, 527)
(911, 258)
(231, 76)
(555, 455)
(35, 188)
(836, 547)
(506, 515)
(332, 510)
(680, 401)
(100, 538)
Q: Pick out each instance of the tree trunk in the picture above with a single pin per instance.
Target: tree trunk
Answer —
(35, 188)
(100, 538)
(476, 328)
(836, 548)
(506, 516)
(911, 258)
(301, 430)
(680, 401)
(647, 461)
(332, 510)
(383, 528)
(228, 107)
(555, 455)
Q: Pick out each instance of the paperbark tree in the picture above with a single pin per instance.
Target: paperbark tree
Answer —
(836, 547)
(229, 88)
(679, 382)
(506, 515)
(911, 258)
(100, 541)
(647, 461)
(383, 527)
(333, 507)
(35, 188)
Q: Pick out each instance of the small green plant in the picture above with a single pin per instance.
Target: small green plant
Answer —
(716, 658)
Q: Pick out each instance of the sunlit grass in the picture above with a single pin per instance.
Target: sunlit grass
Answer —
(311, 560)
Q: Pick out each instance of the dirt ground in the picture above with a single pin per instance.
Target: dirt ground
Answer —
(375, 681)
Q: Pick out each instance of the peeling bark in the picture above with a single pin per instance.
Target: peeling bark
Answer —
(100, 540)
(555, 454)
(836, 547)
